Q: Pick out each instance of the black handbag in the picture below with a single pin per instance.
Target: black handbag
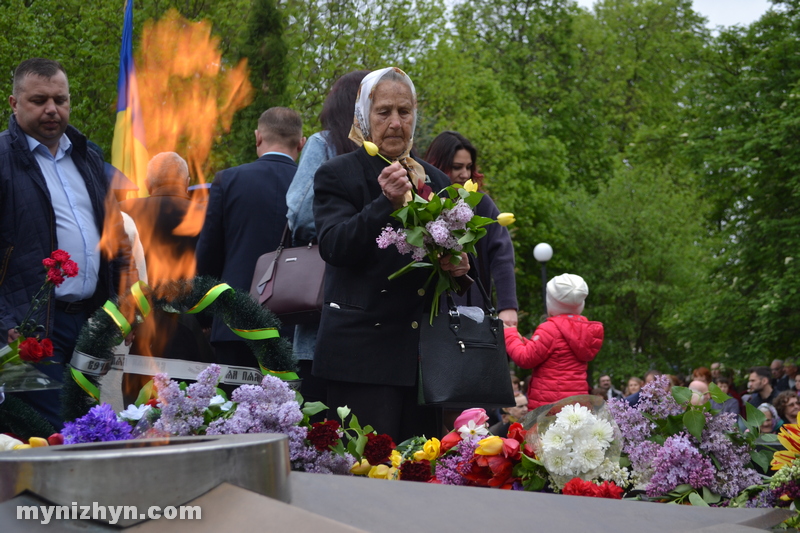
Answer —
(462, 363)
(289, 282)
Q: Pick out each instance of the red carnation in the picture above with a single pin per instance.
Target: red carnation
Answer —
(416, 471)
(578, 487)
(378, 449)
(610, 490)
(49, 263)
(47, 347)
(54, 276)
(60, 255)
(30, 350)
(324, 434)
(70, 268)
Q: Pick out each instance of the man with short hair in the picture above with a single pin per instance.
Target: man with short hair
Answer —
(759, 386)
(246, 216)
(610, 392)
(716, 369)
(52, 196)
(780, 382)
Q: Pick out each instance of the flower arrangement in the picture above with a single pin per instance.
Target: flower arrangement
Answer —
(686, 453)
(29, 347)
(442, 225)
(576, 438)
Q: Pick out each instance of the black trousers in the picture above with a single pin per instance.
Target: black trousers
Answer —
(388, 409)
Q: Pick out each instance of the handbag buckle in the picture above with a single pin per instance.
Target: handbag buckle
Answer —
(463, 348)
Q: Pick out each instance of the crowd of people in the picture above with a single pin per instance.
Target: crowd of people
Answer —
(364, 351)
(774, 390)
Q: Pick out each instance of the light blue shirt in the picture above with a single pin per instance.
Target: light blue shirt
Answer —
(76, 230)
(278, 153)
(300, 196)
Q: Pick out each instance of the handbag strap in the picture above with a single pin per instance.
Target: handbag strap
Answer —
(487, 302)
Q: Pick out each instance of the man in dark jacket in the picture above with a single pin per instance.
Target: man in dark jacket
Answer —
(52, 196)
(246, 216)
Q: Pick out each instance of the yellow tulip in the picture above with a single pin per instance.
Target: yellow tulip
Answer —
(361, 469)
(471, 186)
(505, 219)
(490, 446)
(429, 451)
(22, 446)
(38, 442)
(381, 472)
(371, 148)
(396, 458)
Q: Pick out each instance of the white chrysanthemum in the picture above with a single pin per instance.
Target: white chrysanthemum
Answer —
(573, 416)
(586, 457)
(556, 438)
(602, 432)
(557, 462)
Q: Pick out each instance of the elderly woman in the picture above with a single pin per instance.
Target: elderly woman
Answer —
(367, 345)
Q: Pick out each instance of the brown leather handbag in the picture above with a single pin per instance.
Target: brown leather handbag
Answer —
(290, 281)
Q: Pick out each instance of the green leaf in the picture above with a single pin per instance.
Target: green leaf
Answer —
(716, 393)
(769, 437)
(696, 499)
(709, 497)
(414, 236)
(361, 443)
(682, 489)
(754, 417)
(354, 423)
(760, 459)
(312, 408)
(682, 395)
(695, 422)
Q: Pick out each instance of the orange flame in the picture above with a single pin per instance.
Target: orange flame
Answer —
(188, 97)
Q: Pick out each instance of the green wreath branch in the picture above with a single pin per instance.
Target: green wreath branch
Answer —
(103, 332)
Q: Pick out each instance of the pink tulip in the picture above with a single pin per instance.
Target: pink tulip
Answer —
(476, 414)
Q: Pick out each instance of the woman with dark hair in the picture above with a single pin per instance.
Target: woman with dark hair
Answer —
(336, 118)
(454, 155)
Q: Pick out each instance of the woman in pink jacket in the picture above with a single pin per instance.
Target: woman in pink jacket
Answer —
(561, 347)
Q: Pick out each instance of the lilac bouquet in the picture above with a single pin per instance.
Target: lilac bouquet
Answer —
(438, 227)
(682, 452)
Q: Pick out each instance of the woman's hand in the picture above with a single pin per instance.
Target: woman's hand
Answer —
(509, 317)
(458, 270)
(394, 184)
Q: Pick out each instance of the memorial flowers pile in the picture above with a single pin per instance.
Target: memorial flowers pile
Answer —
(686, 453)
(436, 227)
(168, 408)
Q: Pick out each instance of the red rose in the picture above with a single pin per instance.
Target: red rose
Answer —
(30, 350)
(324, 434)
(60, 255)
(416, 471)
(47, 347)
(378, 449)
(70, 268)
(54, 276)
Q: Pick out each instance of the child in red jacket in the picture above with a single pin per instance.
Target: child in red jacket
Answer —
(561, 347)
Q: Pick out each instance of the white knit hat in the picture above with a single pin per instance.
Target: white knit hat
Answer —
(566, 294)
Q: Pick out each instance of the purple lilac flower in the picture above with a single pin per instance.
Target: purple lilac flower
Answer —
(100, 424)
(182, 413)
(439, 231)
(459, 215)
(451, 468)
(764, 499)
(387, 238)
(656, 400)
(632, 423)
(679, 462)
(732, 475)
(642, 455)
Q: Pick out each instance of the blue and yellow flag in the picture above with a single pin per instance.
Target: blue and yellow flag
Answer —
(129, 152)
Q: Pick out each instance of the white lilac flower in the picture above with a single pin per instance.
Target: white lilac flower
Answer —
(470, 429)
(573, 416)
(556, 438)
(134, 413)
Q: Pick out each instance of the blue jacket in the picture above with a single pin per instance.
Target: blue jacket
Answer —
(245, 219)
(28, 226)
